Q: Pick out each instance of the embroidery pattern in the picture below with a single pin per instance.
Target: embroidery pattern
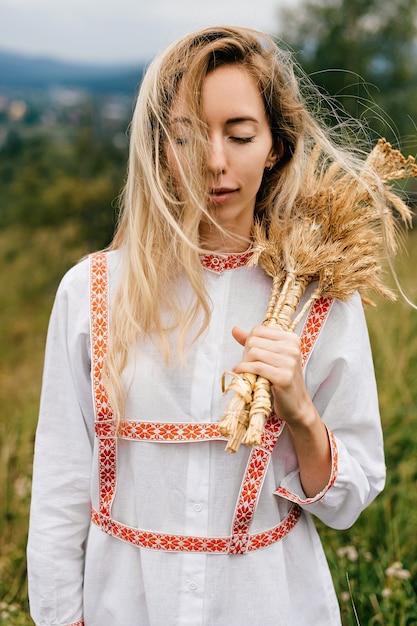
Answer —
(99, 328)
(239, 544)
(221, 262)
(166, 432)
(240, 541)
(180, 431)
(99, 336)
(313, 326)
(251, 487)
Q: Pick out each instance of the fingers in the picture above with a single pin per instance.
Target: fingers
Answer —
(275, 355)
(269, 347)
(269, 352)
(265, 332)
(240, 335)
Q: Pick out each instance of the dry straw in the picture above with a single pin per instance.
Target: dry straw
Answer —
(338, 235)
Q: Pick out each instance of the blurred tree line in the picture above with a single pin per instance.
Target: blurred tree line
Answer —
(70, 174)
(361, 52)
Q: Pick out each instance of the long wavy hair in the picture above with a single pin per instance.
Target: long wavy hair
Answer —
(158, 229)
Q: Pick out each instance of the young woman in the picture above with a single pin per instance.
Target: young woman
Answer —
(139, 516)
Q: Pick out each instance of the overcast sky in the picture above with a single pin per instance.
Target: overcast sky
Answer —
(120, 30)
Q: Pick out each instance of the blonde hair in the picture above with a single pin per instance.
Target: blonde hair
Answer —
(158, 232)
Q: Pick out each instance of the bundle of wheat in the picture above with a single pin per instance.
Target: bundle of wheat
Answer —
(338, 234)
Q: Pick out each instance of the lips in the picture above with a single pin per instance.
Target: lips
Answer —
(221, 194)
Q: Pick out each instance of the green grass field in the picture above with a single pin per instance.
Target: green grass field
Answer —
(374, 564)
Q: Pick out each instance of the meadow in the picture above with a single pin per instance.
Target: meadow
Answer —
(374, 564)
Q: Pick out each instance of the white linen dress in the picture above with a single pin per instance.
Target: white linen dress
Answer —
(78, 574)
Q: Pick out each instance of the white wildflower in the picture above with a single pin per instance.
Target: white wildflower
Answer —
(396, 571)
(349, 552)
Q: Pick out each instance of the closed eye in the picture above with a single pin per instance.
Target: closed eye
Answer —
(242, 139)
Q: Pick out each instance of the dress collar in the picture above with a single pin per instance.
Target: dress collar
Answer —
(228, 261)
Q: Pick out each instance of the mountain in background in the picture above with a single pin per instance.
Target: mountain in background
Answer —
(20, 72)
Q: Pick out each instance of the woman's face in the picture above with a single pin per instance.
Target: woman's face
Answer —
(240, 148)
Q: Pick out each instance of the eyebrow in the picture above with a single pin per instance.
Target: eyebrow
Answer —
(232, 120)
(239, 120)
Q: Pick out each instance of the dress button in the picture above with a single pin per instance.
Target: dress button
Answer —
(197, 508)
(207, 349)
(192, 586)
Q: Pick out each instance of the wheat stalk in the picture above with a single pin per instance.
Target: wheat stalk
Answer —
(337, 235)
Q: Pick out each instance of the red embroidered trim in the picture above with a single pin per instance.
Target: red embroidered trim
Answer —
(168, 432)
(239, 544)
(240, 541)
(77, 623)
(99, 329)
(107, 448)
(251, 487)
(313, 326)
(221, 262)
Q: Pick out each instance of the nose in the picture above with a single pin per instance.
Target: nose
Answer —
(217, 160)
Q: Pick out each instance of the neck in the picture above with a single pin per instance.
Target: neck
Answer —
(215, 241)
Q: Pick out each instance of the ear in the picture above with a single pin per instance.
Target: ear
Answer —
(275, 155)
